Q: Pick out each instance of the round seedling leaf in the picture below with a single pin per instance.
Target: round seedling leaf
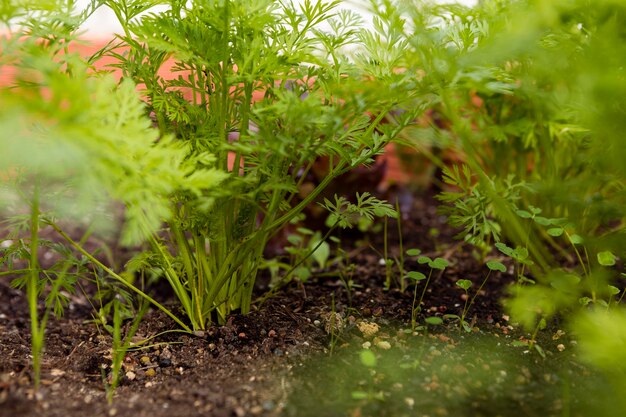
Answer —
(424, 260)
(464, 283)
(496, 266)
(555, 231)
(413, 252)
(606, 258)
(520, 253)
(524, 214)
(438, 263)
(416, 276)
(613, 290)
(504, 249)
(434, 321)
(543, 221)
(359, 395)
(576, 239)
(368, 358)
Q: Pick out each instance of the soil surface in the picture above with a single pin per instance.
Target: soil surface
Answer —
(300, 352)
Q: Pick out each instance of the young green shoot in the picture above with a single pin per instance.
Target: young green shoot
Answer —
(439, 264)
(465, 284)
(120, 346)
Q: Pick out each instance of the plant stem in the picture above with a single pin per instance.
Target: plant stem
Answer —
(118, 277)
(32, 289)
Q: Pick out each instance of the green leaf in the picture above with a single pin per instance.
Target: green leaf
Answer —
(416, 276)
(539, 350)
(424, 260)
(606, 258)
(368, 358)
(555, 231)
(543, 221)
(520, 253)
(464, 283)
(613, 290)
(321, 254)
(576, 239)
(359, 395)
(504, 249)
(524, 214)
(413, 252)
(435, 321)
(496, 266)
(439, 263)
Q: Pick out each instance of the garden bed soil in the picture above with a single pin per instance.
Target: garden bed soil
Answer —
(267, 363)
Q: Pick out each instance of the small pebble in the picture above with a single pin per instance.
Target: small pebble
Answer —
(145, 360)
(410, 402)
(383, 344)
(150, 372)
(165, 362)
(269, 405)
(272, 333)
(131, 375)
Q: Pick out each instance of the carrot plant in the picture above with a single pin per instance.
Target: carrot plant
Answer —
(72, 140)
(261, 90)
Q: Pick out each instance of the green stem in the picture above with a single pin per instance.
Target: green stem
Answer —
(118, 277)
(31, 289)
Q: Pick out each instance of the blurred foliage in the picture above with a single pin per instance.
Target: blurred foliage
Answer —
(81, 136)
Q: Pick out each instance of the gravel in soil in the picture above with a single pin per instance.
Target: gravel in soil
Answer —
(301, 352)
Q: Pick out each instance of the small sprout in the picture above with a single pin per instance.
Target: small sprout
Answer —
(435, 321)
(464, 283)
(496, 266)
(606, 258)
(415, 275)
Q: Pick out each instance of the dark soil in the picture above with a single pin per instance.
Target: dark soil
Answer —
(286, 358)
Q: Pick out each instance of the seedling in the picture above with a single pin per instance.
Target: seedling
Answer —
(466, 284)
(369, 360)
(439, 264)
(120, 346)
(521, 259)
